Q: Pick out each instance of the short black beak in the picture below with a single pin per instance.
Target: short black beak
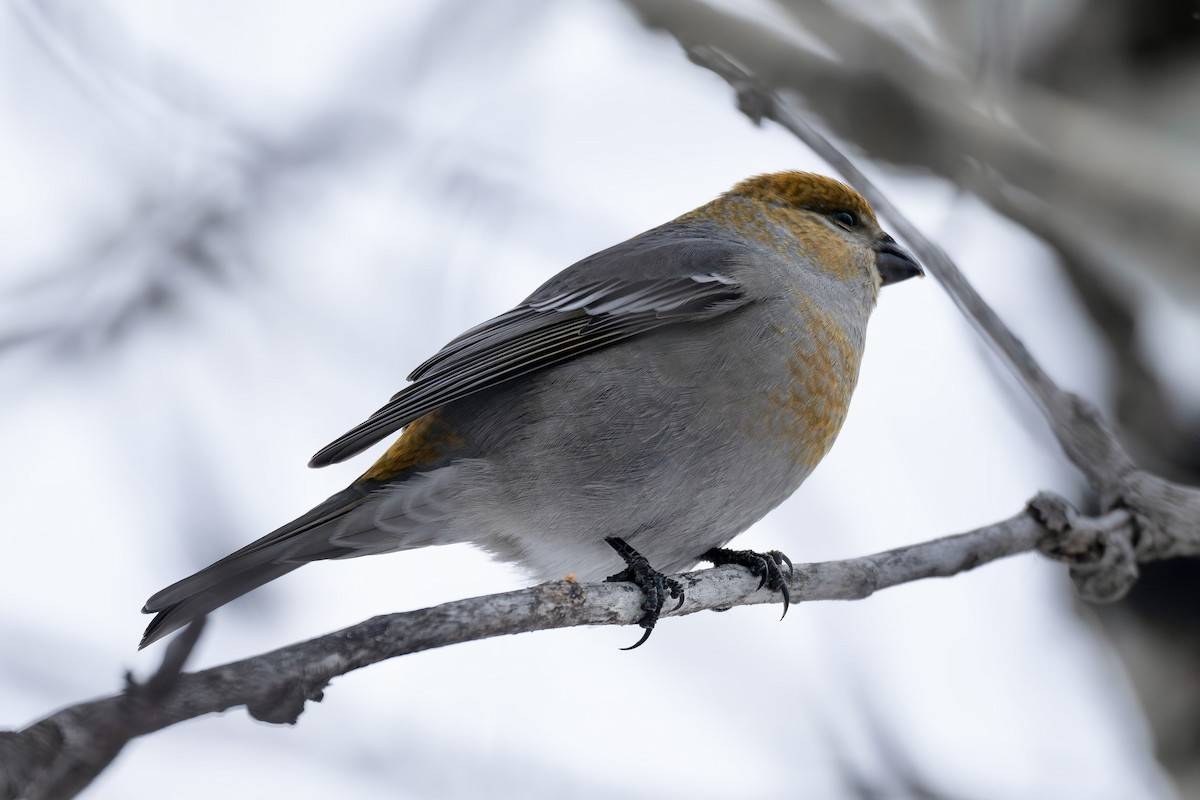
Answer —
(895, 264)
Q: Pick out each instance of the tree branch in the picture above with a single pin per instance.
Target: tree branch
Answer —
(57, 756)
(63, 753)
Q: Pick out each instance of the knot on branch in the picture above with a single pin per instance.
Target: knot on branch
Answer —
(1162, 518)
(285, 704)
(1099, 551)
(1166, 515)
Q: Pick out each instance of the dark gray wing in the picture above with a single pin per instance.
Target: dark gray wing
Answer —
(625, 291)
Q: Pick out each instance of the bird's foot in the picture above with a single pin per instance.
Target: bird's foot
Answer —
(767, 566)
(655, 586)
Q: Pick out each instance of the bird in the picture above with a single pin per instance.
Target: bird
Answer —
(642, 408)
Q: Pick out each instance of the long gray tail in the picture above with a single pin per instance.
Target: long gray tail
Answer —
(276, 554)
(170, 617)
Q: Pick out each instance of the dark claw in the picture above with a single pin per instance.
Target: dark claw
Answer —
(765, 565)
(676, 591)
(641, 641)
(655, 586)
(780, 560)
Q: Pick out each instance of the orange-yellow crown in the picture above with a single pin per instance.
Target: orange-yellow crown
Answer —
(804, 190)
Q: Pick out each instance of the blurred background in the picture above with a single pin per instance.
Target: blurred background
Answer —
(229, 230)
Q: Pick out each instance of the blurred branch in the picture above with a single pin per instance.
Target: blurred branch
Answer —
(174, 240)
(1167, 515)
(59, 755)
(1125, 185)
(1143, 409)
(202, 185)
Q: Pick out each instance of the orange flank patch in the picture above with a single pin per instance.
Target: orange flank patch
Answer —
(424, 441)
(822, 372)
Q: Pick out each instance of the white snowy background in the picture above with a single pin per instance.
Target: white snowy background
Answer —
(365, 180)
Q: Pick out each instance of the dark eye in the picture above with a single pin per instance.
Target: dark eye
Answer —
(847, 219)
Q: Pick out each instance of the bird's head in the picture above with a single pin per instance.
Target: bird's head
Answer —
(834, 222)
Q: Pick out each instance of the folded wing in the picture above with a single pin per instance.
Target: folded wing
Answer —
(619, 293)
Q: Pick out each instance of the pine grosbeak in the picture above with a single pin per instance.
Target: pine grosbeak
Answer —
(647, 404)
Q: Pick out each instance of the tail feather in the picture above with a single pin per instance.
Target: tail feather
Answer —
(259, 562)
(173, 616)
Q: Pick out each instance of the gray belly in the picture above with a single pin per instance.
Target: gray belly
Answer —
(668, 441)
